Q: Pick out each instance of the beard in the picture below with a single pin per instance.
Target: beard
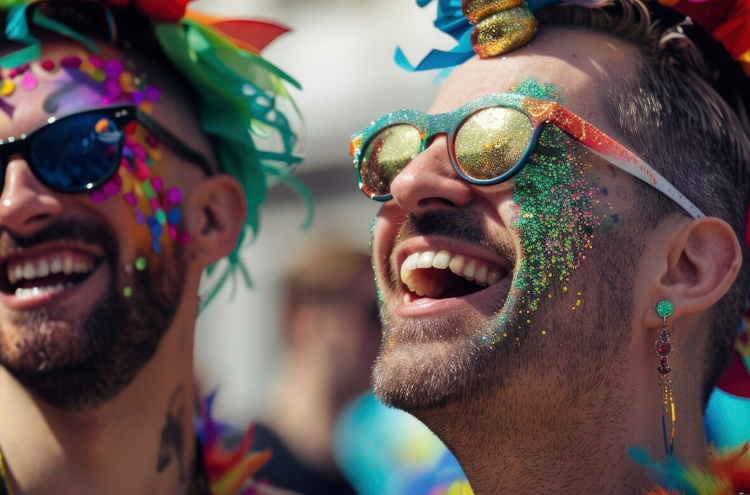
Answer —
(102, 351)
(428, 363)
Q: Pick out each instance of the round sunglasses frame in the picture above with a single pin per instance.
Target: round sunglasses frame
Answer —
(121, 115)
(540, 113)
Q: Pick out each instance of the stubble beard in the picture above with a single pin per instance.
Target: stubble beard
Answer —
(417, 372)
(111, 344)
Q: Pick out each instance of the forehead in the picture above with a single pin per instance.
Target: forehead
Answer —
(40, 93)
(576, 61)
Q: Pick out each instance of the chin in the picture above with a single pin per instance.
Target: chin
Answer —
(43, 347)
(429, 363)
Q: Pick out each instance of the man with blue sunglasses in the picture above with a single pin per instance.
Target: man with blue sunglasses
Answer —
(560, 247)
(128, 169)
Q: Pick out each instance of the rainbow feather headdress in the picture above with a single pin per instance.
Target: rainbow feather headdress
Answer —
(242, 97)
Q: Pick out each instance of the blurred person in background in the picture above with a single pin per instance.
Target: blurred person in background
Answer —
(331, 336)
(129, 168)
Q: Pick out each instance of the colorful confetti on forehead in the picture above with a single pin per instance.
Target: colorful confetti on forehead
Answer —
(555, 223)
(155, 206)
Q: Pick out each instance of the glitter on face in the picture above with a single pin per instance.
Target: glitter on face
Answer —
(155, 206)
(555, 222)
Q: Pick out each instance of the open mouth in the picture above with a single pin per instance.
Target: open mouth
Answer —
(28, 276)
(444, 274)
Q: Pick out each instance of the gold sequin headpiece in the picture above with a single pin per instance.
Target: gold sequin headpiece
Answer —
(501, 25)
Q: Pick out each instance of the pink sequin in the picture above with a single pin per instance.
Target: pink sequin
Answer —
(113, 69)
(71, 62)
(130, 198)
(158, 184)
(174, 196)
(111, 188)
(98, 196)
(29, 81)
(96, 61)
(173, 232)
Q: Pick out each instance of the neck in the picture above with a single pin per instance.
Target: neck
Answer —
(530, 440)
(131, 444)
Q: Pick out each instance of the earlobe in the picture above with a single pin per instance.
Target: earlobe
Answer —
(214, 216)
(701, 261)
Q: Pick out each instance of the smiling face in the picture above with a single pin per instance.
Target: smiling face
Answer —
(483, 286)
(90, 282)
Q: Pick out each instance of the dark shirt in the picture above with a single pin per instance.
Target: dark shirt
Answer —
(284, 470)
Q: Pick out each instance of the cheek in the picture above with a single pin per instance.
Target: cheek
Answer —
(556, 221)
(155, 215)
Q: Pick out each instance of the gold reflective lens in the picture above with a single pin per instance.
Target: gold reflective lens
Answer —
(491, 142)
(386, 155)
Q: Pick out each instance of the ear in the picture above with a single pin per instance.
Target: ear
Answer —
(693, 264)
(215, 213)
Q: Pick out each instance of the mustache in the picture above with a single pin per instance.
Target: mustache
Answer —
(85, 232)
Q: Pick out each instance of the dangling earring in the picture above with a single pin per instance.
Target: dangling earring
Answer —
(664, 348)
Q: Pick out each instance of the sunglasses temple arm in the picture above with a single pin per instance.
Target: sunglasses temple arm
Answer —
(171, 141)
(643, 171)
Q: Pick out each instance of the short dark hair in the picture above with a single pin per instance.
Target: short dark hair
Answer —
(674, 118)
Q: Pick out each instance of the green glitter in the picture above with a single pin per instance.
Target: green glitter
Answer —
(555, 223)
(140, 263)
(533, 89)
(127, 291)
(161, 217)
(664, 309)
(148, 189)
(98, 75)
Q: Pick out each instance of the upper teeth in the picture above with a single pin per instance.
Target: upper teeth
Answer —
(47, 265)
(482, 272)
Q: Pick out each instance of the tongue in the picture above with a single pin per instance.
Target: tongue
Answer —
(437, 284)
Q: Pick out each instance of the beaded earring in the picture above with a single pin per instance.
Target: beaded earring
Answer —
(664, 348)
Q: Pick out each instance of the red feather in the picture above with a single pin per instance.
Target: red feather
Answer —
(257, 34)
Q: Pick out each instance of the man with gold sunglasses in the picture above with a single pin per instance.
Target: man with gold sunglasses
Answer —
(560, 248)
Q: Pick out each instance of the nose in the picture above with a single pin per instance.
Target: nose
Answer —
(430, 182)
(25, 204)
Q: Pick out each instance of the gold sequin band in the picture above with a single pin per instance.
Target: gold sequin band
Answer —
(501, 25)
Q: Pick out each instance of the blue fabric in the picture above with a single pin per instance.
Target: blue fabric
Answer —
(450, 20)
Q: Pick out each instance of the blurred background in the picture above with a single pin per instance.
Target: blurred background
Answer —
(268, 353)
(341, 51)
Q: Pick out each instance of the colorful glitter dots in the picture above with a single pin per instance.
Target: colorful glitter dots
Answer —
(140, 263)
(7, 87)
(72, 62)
(555, 223)
(29, 81)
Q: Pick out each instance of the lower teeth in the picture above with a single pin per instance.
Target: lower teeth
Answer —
(22, 293)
